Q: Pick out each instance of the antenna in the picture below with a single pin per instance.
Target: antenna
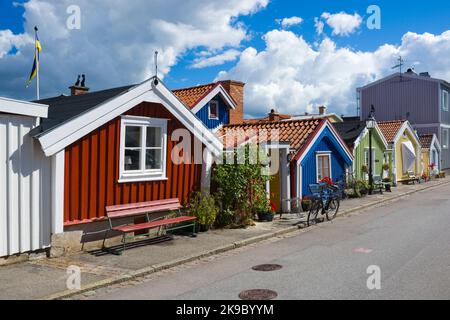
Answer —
(156, 67)
(401, 63)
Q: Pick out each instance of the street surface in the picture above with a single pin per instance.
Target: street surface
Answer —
(408, 241)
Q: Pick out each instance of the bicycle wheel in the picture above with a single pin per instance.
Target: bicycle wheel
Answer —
(316, 207)
(333, 209)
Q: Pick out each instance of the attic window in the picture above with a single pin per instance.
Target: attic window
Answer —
(143, 149)
(213, 113)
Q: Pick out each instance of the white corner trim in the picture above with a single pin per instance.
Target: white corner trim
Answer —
(217, 90)
(23, 108)
(57, 197)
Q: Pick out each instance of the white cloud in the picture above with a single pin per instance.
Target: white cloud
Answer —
(117, 39)
(343, 24)
(227, 56)
(289, 22)
(294, 76)
(319, 25)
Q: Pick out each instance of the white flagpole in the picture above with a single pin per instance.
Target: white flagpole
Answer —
(36, 52)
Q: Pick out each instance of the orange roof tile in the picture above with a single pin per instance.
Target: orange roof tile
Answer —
(296, 132)
(390, 129)
(191, 96)
(426, 140)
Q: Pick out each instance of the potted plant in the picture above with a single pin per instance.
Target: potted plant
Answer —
(266, 211)
(306, 204)
(364, 169)
(328, 181)
(204, 208)
(387, 184)
(386, 167)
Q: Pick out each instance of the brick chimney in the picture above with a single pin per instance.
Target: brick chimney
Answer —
(274, 115)
(322, 110)
(79, 87)
(236, 91)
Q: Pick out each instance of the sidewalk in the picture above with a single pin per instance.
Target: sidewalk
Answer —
(46, 278)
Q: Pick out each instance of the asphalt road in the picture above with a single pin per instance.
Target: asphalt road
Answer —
(409, 240)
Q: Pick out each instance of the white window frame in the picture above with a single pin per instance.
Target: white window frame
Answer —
(323, 154)
(445, 144)
(143, 174)
(216, 104)
(374, 158)
(445, 100)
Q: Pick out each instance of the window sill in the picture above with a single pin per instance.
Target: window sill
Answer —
(142, 178)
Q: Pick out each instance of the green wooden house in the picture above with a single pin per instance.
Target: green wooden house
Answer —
(356, 136)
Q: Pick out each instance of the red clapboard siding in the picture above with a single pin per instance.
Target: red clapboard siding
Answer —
(92, 171)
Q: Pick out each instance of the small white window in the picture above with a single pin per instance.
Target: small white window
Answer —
(323, 166)
(143, 149)
(445, 100)
(213, 110)
(445, 138)
(366, 159)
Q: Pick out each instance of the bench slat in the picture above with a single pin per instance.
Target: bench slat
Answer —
(154, 224)
(143, 210)
(141, 204)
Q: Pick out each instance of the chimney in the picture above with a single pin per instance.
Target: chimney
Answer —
(236, 91)
(322, 110)
(79, 87)
(425, 74)
(274, 115)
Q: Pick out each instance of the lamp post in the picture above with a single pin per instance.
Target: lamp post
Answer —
(370, 124)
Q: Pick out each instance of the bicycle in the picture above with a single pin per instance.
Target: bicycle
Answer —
(326, 201)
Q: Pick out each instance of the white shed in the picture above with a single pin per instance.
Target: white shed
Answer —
(25, 180)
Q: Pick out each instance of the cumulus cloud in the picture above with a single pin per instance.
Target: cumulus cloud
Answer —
(227, 56)
(319, 25)
(295, 77)
(343, 24)
(116, 41)
(289, 22)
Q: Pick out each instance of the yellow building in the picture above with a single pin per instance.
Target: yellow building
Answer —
(431, 154)
(406, 160)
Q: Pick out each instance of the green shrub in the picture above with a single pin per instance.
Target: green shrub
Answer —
(242, 188)
(204, 208)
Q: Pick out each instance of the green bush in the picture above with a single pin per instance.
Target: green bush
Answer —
(242, 188)
(204, 208)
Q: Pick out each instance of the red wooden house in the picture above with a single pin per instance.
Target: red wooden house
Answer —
(115, 147)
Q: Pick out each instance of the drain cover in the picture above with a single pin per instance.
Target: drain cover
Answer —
(267, 267)
(258, 294)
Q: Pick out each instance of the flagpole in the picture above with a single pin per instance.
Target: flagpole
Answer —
(36, 52)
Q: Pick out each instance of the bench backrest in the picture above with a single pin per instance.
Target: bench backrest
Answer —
(377, 179)
(141, 208)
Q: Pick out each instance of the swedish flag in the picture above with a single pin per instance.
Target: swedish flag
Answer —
(37, 51)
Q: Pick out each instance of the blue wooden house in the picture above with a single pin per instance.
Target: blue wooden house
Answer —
(215, 104)
(309, 151)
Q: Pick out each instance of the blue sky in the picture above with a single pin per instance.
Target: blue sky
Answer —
(109, 56)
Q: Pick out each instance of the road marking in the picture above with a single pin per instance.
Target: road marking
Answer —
(363, 250)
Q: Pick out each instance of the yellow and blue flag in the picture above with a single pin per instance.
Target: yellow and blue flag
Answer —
(37, 51)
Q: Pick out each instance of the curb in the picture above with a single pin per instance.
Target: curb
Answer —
(239, 244)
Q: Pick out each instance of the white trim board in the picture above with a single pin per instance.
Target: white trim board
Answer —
(60, 137)
(219, 89)
(23, 108)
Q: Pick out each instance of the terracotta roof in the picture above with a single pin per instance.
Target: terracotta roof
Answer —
(390, 129)
(191, 96)
(296, 132)
(426, 140)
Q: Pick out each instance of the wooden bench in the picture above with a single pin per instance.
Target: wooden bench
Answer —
(144, 209)
(410, 177)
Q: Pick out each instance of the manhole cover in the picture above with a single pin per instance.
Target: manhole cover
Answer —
(258, 294)
(267, 267)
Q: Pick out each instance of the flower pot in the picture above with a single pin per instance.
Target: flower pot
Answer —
(306, 206)
(203, 228)
(265, 217)
(388, 187)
